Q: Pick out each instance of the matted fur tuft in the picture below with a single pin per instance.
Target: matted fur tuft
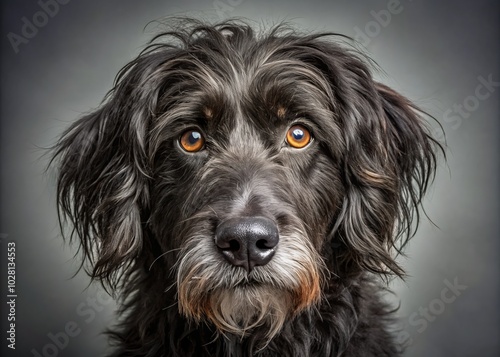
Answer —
(146, 212)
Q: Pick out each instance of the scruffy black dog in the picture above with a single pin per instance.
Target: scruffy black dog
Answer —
(244, 194)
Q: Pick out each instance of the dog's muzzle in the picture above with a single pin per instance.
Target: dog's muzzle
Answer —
(247, 241)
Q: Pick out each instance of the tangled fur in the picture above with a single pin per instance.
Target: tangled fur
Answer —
(146, 211)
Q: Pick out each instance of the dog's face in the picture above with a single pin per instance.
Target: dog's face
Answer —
(253, 171)
(251, 158)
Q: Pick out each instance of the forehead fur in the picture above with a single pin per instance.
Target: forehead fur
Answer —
(233, 60)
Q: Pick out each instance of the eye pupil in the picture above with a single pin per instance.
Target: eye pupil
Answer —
(298, 134)
(194, 137)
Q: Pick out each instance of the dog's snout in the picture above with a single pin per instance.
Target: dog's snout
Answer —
(247, 241)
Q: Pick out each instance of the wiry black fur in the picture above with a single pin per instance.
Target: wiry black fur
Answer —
(135, 199)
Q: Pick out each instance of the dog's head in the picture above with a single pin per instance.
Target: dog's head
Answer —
(255, 170)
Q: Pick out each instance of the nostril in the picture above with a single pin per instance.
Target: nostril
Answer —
(225, 242)
(234, 246)
(262, 244)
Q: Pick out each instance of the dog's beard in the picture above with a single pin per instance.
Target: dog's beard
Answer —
(241, 309)
(237, 302)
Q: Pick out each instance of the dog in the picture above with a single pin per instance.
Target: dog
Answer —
(246, 194)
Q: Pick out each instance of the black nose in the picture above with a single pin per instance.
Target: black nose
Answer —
(247, 241)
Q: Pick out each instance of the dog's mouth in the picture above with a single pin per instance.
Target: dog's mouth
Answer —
(237, 278)
(247, 283)
(242, 280)
(250, 281)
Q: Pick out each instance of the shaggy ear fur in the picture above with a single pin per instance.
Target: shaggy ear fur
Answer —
(388, 168)
(387, 160)
(103, 173)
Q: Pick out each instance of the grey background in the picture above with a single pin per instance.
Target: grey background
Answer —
(433, 53)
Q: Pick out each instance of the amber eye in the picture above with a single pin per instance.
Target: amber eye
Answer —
(192, 140)
(298, 137)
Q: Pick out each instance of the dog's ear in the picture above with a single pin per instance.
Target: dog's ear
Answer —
(390, 159)
(103, 173)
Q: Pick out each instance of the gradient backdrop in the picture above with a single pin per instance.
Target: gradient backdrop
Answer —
(439, 55)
